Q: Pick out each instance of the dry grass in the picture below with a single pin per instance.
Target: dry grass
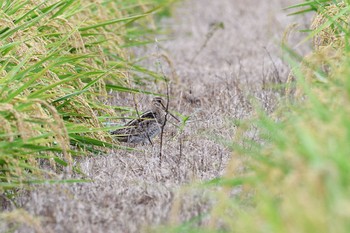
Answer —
(229, 76)
(297, 181)
(328, 41)
(330, 32)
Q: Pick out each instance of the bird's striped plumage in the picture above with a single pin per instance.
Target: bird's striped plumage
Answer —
(144, 128)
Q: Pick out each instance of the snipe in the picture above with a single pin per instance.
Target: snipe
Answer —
(147, 126)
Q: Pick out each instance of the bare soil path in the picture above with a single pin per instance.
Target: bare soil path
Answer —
(224, 51)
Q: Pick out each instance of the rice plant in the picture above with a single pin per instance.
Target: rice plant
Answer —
(59, 61)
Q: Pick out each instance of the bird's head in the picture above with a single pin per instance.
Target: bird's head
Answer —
(159, 103)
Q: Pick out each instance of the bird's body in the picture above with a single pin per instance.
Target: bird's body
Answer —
(144, 128)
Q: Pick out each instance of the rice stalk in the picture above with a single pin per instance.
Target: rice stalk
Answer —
(60, 59)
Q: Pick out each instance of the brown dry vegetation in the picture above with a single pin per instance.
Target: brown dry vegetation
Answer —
(238, 67)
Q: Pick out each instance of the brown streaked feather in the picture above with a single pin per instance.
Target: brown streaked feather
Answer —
(144, 128)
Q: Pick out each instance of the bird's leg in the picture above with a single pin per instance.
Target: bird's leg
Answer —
(149, 139)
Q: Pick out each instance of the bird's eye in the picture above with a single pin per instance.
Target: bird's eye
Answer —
(159, 100)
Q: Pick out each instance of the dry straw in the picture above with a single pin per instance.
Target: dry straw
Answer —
(328, 38)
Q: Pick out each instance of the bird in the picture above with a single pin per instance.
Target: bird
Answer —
(148, 125)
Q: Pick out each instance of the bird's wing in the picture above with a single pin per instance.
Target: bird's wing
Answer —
(148, 115)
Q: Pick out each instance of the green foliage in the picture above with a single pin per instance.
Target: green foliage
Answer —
(59, 59)
(309, 5)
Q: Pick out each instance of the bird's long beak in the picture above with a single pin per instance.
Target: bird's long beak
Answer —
(174, 116)
(170, 113)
